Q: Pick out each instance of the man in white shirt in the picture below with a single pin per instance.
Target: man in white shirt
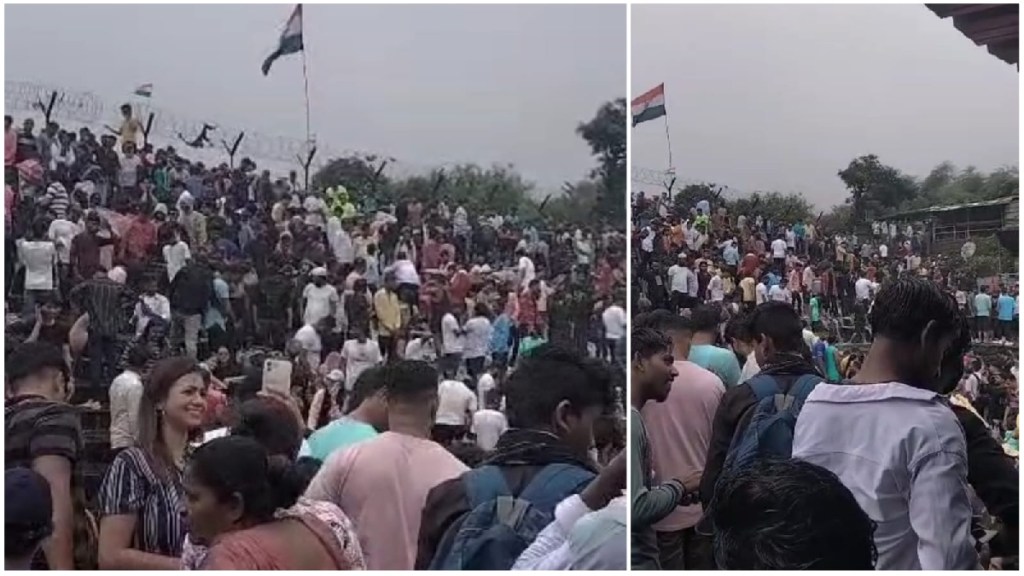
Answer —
(39, 257)
(526, 270)
(489, 423)
(359, 354)
(761, 292)
(716, 289)
(780, 293)
(421, 348)
(61, 233)
(125, 397)
(679, 277)
(309, 339)
(453, 344)
(321, 299)
(893, 440)
(151, 305)
(779, 253)
(176, 255)
(455, 408)
(862, 289)
(614, 320)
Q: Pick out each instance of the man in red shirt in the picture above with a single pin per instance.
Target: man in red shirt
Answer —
(139, 238)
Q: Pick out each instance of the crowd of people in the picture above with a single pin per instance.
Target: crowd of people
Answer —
(759, 441)
(412, 385)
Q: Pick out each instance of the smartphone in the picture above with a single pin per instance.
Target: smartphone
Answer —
(277, 376)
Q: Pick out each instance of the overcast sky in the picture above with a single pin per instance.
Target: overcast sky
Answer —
(782, 97)
(425, 84)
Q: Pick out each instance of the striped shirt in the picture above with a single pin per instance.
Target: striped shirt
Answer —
(133, 488)
(58, 201)
(36, 427)
(102, 299)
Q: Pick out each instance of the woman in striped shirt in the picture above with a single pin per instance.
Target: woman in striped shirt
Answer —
(141, 500)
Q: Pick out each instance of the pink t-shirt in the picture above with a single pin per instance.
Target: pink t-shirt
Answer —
(382, 485)
(679, 430)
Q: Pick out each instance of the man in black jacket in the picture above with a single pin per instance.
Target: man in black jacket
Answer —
(781, 352)
(991, 473)
(552, 401)
(190, 294)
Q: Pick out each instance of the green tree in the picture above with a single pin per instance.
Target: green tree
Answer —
(606, 134)
(875, 188)
(360, 174)
(947, 185)
(774, 206)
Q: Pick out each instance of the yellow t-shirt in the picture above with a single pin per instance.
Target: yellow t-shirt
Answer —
(749, 288)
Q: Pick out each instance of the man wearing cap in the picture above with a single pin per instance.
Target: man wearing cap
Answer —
(193, 222)
(320, 299)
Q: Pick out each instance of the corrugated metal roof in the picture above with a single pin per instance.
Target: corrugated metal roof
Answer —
(994, 26)
(1012, 215)
(938, 209)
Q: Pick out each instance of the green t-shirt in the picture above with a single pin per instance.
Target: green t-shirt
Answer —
(831, 369)
(528, 344)
(815, 309)
(339, 434)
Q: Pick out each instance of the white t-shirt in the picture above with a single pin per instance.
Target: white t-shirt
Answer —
(158, 304)
(478, 337)
(790, 238)
(310, 340)
(358, 358)
(862, 287)
(527, 272)
(679, 278)
(778, 248)
(318, 302)
(614, 318)
(405, 272)
(761, 292)
(780, 294)
(125, 397)
(716, 289)
(883, 250)
(176, 256)
(488, 426)
(416, 349)
(39, 259)
(455, 403)
(451, 340)
(484, 385)
(61, 233)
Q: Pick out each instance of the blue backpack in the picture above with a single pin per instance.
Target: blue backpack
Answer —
(500, 526)
(770, 431)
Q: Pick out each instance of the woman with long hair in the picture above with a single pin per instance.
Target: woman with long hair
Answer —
(141, 499)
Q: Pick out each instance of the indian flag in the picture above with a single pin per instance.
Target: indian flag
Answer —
(290, 41)
(649, 105)
(146, 91)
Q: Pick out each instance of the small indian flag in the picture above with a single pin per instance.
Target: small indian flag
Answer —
(146, 91)
(290, 41)
(649, 105)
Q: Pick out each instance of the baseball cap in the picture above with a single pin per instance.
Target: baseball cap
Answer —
(336, 375)
(28, 509)
(318, 271)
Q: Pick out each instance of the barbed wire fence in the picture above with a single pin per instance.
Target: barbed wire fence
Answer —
(90, 110)
(649, 179)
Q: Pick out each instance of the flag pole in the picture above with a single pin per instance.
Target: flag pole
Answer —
(305, 82)
(668, 139)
